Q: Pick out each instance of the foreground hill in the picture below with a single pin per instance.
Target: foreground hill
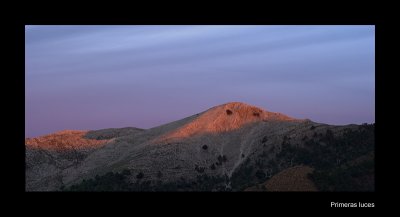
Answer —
(228, 147)
(291, 179)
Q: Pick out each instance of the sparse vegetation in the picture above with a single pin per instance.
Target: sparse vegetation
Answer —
(331, 157)
(120, 182)
(357, 177)
(243, 177)
(108, 182)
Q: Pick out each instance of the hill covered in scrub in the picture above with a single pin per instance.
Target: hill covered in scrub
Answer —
(291, 179)
(231, 147)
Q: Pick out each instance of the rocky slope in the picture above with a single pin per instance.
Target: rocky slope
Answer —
(220, 144)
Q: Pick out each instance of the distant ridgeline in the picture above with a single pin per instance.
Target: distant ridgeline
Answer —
(341, 161)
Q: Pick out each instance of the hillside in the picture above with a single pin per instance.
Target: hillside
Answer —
(228, 147)
(291, 179)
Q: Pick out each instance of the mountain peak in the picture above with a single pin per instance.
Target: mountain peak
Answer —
(226, 117)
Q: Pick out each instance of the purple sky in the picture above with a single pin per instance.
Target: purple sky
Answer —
(94, 77)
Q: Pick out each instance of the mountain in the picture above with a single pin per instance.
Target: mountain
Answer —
(230, 147)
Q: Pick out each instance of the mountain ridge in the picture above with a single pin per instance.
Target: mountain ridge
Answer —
(220, 142)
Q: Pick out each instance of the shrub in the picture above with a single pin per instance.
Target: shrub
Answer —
(228, 112)
(256, 114)
(126, 172)
(264, 139)
(260, 174)
(140, 175)
(199, 169)
(222, 158)
(219, 158)
(205, 147)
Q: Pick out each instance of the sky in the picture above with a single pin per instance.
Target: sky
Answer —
(96, 77)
